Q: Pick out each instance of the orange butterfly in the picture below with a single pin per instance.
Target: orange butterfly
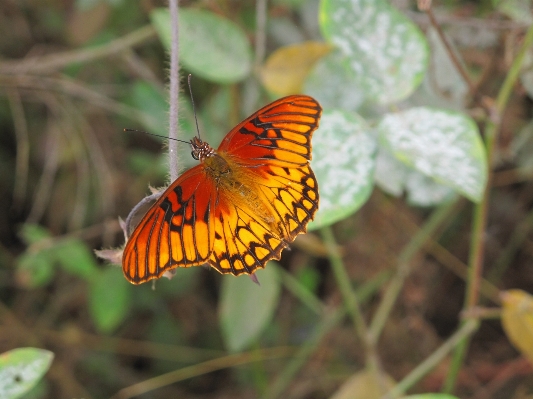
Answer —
(241, 205)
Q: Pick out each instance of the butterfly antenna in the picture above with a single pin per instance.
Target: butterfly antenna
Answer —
(156, 135)
(193, 107)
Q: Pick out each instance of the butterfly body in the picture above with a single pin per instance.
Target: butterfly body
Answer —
(241, 205)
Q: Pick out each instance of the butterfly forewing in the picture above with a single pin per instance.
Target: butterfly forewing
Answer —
(278, 133)
(176, 231)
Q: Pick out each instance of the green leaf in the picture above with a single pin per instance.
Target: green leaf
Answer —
(34, 269)
(212, 47)
(33, 233)
(343, 162)
(309, 277)
(75, 258)
(443, 145)
(144, 163)
(21, 369)
(109, 300)
(154, 105)
(246, 308)
(385, 51)
(183, 282)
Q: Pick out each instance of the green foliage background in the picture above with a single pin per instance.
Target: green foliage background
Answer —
(369, 301)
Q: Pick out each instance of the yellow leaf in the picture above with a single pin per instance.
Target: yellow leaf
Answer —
(364, 385)
(285, 70)
(517, 320)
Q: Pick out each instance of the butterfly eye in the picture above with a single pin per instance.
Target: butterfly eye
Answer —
(194, 154)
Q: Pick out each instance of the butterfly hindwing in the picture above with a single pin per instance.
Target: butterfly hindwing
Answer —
(293, 193)
(177, 231)
(243, 240)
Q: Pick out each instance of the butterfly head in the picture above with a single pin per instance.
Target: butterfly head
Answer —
(201, 150)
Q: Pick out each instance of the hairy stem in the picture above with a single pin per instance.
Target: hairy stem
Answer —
(174, 92)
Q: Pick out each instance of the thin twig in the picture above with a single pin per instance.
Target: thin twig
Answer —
(454, 21)
(73, 88)
(453, 55)
(54, 62)
(131, 347)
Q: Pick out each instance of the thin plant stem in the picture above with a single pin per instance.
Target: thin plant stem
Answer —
(404, 266)
(259, 372)
(329, 322)
(301, 292)
(331, 318)
(351, 302)
(343, 281)
(174, 92)
(174, 88)
(453, 55)
(202, 368)
(477, 247)
(128, 347)
(466, 330)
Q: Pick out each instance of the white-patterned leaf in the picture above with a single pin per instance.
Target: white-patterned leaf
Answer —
(344, 153)
(395, 178)
(385, 51)
(21, 369)
(443, 145)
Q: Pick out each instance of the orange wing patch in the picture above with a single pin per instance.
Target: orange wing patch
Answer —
(243, 242)
(176, 231)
